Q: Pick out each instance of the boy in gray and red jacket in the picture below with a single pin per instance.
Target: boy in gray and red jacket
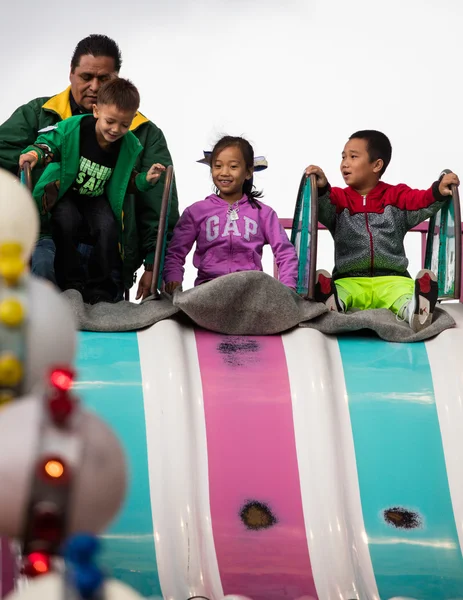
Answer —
(368, 221)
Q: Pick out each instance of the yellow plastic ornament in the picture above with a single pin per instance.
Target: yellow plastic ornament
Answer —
(11, 370)
(5, 398)
(11, 262)
(11, 312)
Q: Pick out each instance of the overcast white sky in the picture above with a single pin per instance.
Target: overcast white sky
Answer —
(295, 77)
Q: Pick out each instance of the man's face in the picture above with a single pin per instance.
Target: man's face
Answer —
(87, 78)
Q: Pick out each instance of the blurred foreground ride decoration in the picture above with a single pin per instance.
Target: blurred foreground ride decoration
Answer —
(37, 328)
(63, 469)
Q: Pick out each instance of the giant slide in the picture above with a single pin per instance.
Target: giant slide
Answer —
(295, 466)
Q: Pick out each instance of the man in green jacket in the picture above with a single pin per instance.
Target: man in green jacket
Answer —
(96, 59)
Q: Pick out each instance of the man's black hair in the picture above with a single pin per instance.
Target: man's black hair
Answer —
(378, 146)
(97, 45)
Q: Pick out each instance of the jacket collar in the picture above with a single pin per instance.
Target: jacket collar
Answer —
(376, 192)
(219, 200)
(61, 105)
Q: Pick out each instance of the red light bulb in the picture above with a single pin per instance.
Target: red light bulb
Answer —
(62, 379)
(37, 563)
(54, 470)
(61, 406)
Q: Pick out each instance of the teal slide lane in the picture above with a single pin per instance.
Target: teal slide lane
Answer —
(109, 383)
(404, 490)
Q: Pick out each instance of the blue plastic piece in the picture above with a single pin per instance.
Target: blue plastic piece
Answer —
(83, 574)
(87, 580)
(82, 548)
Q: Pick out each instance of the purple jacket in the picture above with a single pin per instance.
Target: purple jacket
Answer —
(224, 245)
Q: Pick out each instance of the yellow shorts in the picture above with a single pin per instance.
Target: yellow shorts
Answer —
(390, 292)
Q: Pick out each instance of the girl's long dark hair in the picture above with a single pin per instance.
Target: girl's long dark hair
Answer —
(248, 154)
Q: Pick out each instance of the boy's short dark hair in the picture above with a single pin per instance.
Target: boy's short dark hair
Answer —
(378, 146)
(97, 45)
(120, 92)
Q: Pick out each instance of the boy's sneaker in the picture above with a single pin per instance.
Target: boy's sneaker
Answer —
(325, 291)
(424, 300)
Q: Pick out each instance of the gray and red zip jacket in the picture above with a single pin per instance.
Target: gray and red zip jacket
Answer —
(369, 231)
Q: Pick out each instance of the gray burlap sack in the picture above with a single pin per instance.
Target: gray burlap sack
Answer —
(246, 303)
(122, 316)
(381, 321)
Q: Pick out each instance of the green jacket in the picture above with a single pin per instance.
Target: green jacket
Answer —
(142, 210)
(64, 142)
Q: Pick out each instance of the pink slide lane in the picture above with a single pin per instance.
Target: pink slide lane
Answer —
(255, 496)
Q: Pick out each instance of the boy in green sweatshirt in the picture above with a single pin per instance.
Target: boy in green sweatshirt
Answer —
(82, 190)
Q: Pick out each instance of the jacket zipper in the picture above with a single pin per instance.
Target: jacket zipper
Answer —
(230, 251)
(371, 237)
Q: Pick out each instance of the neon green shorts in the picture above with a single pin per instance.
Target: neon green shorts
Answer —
(362, 293)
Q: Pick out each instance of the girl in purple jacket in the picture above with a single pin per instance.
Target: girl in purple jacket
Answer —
(230, 227)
